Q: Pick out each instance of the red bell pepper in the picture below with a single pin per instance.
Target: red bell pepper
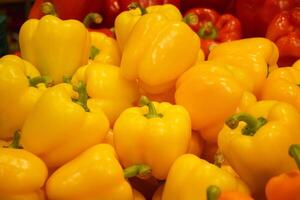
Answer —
(284, 30)
(78, 9)
(68, 9)
(219, 5)
(255, 15)
(287, 185)
(213, 28)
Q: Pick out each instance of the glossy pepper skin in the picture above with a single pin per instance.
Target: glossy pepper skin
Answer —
(282, 84)
(19, 93)
(194, 175)
(255, 15)
(126, 20)
(193, 91)
(104, 49)
(284, 30)
(107, 88)
(267, 126)
(286, 184)
(67, 128)
(212, 27)
(22, 173)
(55, 47)
(164, 128)
(258, 56)
(94, 174)
(169, 41)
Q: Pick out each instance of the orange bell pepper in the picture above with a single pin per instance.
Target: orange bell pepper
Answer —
(214, 193)
(286, 185)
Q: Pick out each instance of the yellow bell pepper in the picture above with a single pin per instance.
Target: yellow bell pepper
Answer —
(56, 47)
(95, 174)
(22, 173)
(126, 20)
(190, 176)
(20, 86)
(143, 133)
(58, 129)
(104, 49)
(256, 148)
(168, 49)
(257, 56)
(194, 92)
(196, 145)
(107, 88)
(282, 84)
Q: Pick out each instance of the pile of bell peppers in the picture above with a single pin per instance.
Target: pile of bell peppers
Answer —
(159, 103)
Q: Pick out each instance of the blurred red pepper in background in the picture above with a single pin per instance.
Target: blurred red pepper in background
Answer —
(95, 18)
(284, 30)
(219, 5)
(255, 15)
(109, 9)
(212, 27)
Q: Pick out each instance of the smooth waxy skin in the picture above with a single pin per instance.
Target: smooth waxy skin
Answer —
(190, 176)
(250, 155)
(258, 56)
(54, 46)
(94, 174)
(22, 174)
(65, 130)
(107, 88)
(168, 49)
(126, 20)
(18, 97)
(282, 84)
(139, 139)
(108, 47)
(194, 92)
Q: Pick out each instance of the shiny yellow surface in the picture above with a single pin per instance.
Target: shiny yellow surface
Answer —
(21, 173)
(108, 47)
(168, 49)
(257, 56)
(190, 176)
(95, 174)
(264, 155)
(107, 88)
(156, 142)
(211, 93)
(17, 97)
(282, 84)
(54, 46)
(58, 129)
(126, 20)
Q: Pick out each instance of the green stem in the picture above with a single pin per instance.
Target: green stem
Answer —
(152, 113)
(191, 19)
(252, 126)
(294, 152)
(83, 96)
(67, 79)
(208, 31)
(92, 18)
(137, 170)
(213, 192)
(94, 51)
(48, 9)
(16, 141)
(33, 82)
(135, 5)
